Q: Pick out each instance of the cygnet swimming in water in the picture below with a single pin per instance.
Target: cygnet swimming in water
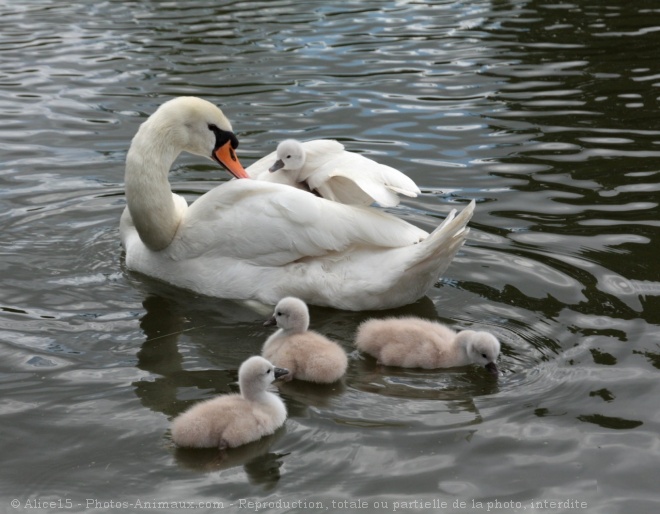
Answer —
(235, 419)
(417, 343)
(306, 354)
(324, 167)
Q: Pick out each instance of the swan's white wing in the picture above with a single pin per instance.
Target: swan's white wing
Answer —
(353, 189)
(344, 190)
(271, 225)
(319, 156)
(406, 192)
(352, 178)
(351, 164)
(397, 181)
(319, 151)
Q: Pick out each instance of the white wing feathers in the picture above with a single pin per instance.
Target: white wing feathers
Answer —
(272, 224)
(340, 176)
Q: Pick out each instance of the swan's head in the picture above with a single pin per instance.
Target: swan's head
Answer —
(256, 374)
(290, 156)
(196, 126)
(290, 314)
(482, 348)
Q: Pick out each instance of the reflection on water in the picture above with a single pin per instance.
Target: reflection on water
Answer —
(261, 467)
(544, 113)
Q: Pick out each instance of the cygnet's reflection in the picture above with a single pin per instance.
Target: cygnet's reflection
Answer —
(193, 347)
(176, 330)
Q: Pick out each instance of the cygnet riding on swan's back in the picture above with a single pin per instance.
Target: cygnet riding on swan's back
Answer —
(323, 167)
(417, 343)
(306, 354)
(235, 419)
(254, 240)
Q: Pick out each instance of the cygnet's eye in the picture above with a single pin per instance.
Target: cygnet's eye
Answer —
(267, 371)
(278, 313)
(484, 355)
(288, 157)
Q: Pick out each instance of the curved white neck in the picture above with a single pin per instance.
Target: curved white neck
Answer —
(150, 201)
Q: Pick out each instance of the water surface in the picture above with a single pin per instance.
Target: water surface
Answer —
(545, 113)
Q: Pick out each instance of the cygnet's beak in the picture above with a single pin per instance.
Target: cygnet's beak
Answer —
(270, 322)
(279, 164)
(280, 372)
(492, 368)
(226, 156)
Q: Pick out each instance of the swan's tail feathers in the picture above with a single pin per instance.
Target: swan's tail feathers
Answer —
(436, 252)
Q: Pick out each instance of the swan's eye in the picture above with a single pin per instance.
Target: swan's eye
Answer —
(213, 127)
(288, 157)
(278, 313)
(484, 355)
(267, 372)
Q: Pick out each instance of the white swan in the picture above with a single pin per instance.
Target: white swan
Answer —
(234, 419)
(322, 166)
(412, 342)
(306, 354)
(253, 240)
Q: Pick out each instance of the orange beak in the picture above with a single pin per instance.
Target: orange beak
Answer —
(225, 155)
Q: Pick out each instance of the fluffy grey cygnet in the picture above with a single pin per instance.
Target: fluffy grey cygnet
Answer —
(235, 419)
(306, 354)
(417, 343)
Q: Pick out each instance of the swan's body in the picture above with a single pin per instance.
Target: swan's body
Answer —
(254, 240)
(322, 166)
(306, 354)
(235, 419)
(417, 343)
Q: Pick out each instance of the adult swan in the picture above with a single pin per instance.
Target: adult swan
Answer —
(248, 239)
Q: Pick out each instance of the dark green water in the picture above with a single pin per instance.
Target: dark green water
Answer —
(547, 114)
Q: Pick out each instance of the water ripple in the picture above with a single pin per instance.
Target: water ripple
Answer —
(546, 114)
